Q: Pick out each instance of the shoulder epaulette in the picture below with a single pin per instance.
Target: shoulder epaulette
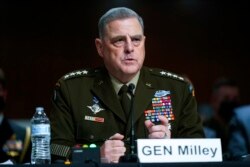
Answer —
(79, 73)
(164, 73)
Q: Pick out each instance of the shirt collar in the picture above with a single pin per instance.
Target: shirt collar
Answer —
(117, 84)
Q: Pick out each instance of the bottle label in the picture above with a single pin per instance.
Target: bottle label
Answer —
(40, 130)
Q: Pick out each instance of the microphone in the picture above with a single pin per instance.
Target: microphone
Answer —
(131, 88)
(132, 157)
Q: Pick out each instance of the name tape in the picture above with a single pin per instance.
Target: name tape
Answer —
(179, 150)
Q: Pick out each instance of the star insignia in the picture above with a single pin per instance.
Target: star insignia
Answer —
(72, 74)
(169, 74)
(66, 76)
(163, 73)
(175, 76)
(78, 72)
(84, 72)
(181, 78)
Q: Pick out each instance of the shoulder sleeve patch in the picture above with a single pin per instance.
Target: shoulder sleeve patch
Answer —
(164, 73)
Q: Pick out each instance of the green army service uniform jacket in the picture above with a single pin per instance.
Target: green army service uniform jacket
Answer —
(14, 142)
(87, 110)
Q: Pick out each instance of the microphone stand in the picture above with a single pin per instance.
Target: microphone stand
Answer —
(132, 157)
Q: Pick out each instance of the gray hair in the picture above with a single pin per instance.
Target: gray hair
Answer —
(115, 14)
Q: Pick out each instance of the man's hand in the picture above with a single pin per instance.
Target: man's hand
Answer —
(158, 131)
(113, 149)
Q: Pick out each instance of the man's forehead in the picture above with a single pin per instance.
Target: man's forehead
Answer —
(229, 91)
(124, 25)
(130, 19)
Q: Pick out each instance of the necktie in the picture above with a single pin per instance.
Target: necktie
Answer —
(125, 100)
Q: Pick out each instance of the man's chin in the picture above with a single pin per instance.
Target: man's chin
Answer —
(130, 70)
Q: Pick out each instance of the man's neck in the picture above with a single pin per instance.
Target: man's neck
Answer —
(117, 84)
(125, 79)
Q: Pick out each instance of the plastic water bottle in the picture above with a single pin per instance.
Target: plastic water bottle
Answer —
(40, 138)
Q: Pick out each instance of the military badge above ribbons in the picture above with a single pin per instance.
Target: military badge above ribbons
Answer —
(95, 108)
(162, 105)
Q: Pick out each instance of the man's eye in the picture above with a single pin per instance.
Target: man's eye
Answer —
(136, 41)
(119, 39)
(119, 42)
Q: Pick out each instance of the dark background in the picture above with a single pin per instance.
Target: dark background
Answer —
(42, 40)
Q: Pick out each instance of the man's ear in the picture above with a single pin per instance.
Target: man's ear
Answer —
(98, 44)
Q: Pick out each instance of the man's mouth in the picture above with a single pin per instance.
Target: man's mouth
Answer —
(129, 60)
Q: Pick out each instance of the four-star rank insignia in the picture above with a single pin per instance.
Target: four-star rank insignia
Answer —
(169, 74)
(76, 74)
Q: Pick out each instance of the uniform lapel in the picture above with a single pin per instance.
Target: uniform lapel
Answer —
(104, 90)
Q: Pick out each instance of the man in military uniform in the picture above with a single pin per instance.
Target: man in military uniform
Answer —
(88, 107)
(14, 140)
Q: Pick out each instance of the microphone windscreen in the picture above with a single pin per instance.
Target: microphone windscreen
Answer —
(131, 88)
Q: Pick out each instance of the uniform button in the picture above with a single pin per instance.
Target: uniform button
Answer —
(91, 137)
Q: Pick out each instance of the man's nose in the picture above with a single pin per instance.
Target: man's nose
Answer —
(129, 47)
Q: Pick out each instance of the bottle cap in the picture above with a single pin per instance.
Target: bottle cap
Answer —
(67, 162)
(39, 109)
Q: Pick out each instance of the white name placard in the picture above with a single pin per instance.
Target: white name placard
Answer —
(179, 150)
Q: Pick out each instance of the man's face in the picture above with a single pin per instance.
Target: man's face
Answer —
(226, 93)
(122, 48)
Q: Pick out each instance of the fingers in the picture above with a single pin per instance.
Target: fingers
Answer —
(114, 143)
(116, 136)
(157, 135)
(163, 119)
(158, 131)
(148, 124)
(113, 149)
